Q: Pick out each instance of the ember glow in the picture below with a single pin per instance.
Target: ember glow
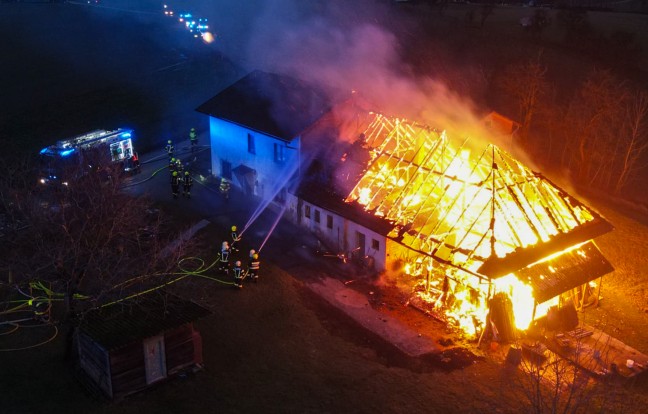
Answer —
(455, 204)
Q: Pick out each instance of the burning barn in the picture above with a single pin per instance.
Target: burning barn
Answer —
(457, 221)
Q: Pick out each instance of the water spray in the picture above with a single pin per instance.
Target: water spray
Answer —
(280, 183)
(274, 225)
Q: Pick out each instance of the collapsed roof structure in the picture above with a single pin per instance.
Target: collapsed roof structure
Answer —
(469, 211)
(490, 211)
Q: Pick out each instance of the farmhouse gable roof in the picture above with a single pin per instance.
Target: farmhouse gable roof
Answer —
(277, 105)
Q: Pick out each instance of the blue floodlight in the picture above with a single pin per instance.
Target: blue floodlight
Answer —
(67, 152)
(44, 150)
(126, 135)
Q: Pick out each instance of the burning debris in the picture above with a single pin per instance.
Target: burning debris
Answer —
(470, 221)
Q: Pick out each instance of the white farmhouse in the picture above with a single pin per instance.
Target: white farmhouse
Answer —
(256, 128)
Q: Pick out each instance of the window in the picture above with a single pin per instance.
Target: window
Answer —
(251, 148)
(279, 153)
(317, 216)
(329, 221)
(307, 212)
(227, 170)
(375, 244)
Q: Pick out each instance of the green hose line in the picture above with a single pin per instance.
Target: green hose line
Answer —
(15, 328)
(184, 265)
(33, 346)
(182, 275)
(158, 170)
(146, 179)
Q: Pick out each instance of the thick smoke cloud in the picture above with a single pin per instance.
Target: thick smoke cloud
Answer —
(345, 46)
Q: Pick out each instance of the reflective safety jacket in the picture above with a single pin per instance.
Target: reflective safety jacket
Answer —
(254, 264)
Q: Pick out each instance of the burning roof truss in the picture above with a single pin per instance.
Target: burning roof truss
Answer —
(461, 202)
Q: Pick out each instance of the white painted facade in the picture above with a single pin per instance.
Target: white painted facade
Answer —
(339, 233)
(273, 160)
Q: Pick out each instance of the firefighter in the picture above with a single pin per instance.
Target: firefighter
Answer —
(186, 185)
(172, 165)
(179, 166)
(225, 188)
(175, 184)
(136, 163)
(235, 239)
(223, 265)
(238, 274)
(193, 138)
(253, 267)
(169, 149)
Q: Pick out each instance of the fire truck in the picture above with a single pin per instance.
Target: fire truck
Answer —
(71, 158)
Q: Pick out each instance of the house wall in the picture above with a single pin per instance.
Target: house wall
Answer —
(337, 232)
(229, 144)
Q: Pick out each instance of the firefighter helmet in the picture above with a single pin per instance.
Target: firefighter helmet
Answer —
(225, 245)
(193, 129)
(175, 173)
(255, 256)
(173, 160)
(238, 263)
(233, 228)
(169, 142)
(186, 172)
(252, 251)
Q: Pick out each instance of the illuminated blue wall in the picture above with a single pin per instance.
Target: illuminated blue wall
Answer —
(229, 143)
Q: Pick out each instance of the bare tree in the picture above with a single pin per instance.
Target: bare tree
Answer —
(593, 123)
(634, 137)
(86, 240)
(526, 85)
(606, 132)
(583, 383)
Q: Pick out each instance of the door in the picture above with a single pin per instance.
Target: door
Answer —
(154, 359)
(360, 247)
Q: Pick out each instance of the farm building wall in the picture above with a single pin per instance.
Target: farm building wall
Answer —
(180, 348)
(122, 371)
(127, 369)
(269, 161)
(337, 232)
(94, 361)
